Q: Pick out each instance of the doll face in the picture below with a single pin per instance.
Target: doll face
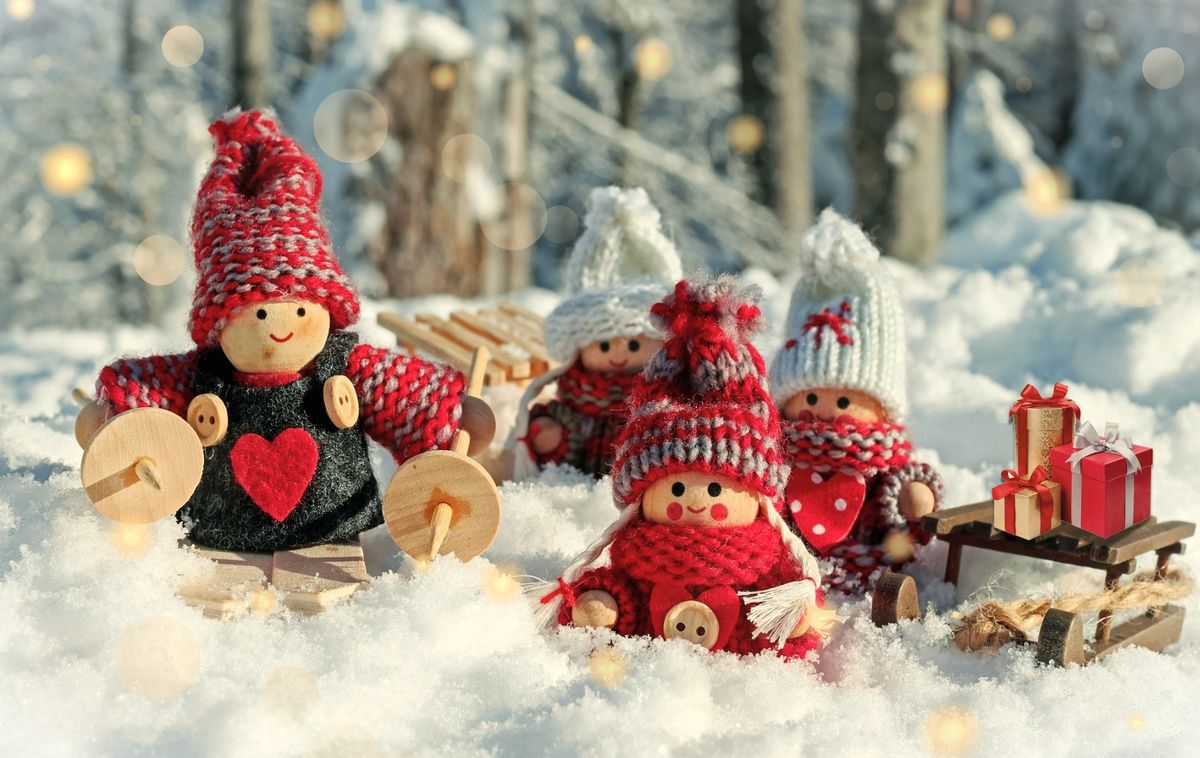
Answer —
(277, 336)
(831, 403)
(694, 498)
(619, 355)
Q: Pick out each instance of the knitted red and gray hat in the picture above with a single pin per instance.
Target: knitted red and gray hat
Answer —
(701, 403)
(256, 229)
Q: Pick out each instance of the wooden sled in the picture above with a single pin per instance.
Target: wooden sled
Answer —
(1062, 640)
(511, 333)
(307, 580)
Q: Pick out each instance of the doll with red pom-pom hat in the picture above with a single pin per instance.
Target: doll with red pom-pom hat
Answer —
(855, 492)
(274, 376)
(700, 550)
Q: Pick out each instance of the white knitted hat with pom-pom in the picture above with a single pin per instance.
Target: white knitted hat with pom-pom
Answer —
(621, 265)
(845, 324)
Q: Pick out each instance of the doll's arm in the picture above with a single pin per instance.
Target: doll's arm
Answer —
(159, 381)
(888, 490)
(620, 588)
(407, 404)
(551, 413)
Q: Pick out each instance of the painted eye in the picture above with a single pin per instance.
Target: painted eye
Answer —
(300, 312)
(262, 314)
(604, 346)
(634, 346)
(843, 402)
(714, 489)
(677, 489)
(812, 398)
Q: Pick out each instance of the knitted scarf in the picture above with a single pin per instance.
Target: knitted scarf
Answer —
(865, 447)
(697, 556)
(594, 393)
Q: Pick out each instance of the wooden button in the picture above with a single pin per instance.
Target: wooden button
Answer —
(341, 402)
(594, 608)
(207, 415)
(693, 621)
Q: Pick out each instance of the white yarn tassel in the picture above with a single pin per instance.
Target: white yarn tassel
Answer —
(545, 614)
(777, 611)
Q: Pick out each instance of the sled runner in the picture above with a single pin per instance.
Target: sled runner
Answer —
(1061, 639)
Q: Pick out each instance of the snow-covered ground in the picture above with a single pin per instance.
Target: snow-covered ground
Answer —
(99, 656)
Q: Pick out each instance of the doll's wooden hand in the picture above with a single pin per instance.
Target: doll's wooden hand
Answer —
(477, 420)
(207, 415)
(820, 619)
(548, 435)
(341, 402)
(91, 417)
(916, 500)
(594, 608)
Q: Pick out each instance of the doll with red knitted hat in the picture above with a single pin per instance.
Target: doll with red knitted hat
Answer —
(700, 550)
(855, 492)
(601, 335)
(274, 371)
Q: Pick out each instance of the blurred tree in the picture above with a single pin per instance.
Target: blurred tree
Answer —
(899, 139)
(251, 52)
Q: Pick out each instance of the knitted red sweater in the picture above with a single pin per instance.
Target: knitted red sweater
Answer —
(407, 404)
(650, 559)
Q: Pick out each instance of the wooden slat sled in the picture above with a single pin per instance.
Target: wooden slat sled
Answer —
(511, 332)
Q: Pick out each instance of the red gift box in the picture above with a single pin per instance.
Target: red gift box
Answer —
(1105, 480)
(1040, 423)
(1027, 508)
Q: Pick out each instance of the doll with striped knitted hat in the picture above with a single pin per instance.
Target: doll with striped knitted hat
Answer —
(700, 549)
(855, 492)
(600, 334)
(274, 372)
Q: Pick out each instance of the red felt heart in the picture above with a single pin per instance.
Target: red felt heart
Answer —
(275, 474)
(824, 507)
(723, 601)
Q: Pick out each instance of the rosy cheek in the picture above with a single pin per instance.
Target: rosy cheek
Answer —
(674, 511)
(720, 512)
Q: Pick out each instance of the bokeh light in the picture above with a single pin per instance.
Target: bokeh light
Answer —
(158, 260)
(583, 44)
(1136, 723)
(885, 101)
(1140, 282)
(66, 169)
(505, 234)
(182, 46)
(20, 9)
(326, 20)
(951, 731)
(500, 584)
(264, 602)
(1183, 166)
(931, 92)
(339, 740)
(746, 133)
(1162, 68)
(43, 62)
(1024, 84)
(652, 59)
(1047, 190)
(1001, 27)
(608, 667)
(898, 546)
(290, 692)
(443, 76)
(131, 539)
(158, 657)
(350, 125)
(464, 156)
(562, 224)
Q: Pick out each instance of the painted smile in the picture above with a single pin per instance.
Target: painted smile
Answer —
(282, 339)
(701, 509)
(619, 364)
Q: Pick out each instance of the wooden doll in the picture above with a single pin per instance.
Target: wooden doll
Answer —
(281, 396)
(700, 550)
(855, 493)
(601, 335)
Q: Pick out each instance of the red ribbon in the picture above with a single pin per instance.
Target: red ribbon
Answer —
(1013, 483)
(563, 589)
(1032, 398)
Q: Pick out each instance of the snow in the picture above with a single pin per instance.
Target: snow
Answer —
(446, 660)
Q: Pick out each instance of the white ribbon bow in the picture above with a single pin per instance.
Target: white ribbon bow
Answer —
(1089, 442)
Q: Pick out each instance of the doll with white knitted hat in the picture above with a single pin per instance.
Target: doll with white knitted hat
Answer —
(855, 493)
(600, 334)
(700, 550)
